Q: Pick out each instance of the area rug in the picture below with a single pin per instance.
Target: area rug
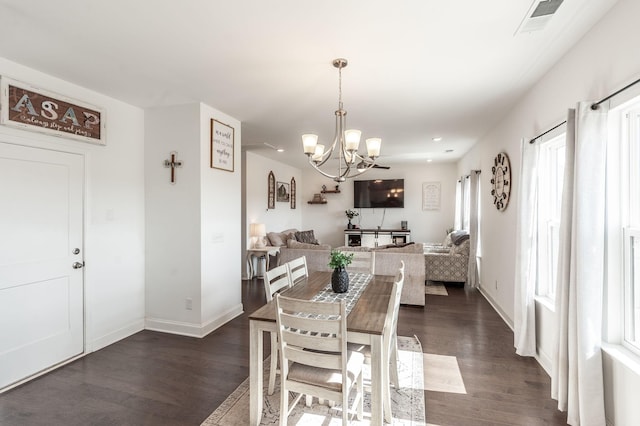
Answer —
(407, 403)
(442, 374)
(435, 289)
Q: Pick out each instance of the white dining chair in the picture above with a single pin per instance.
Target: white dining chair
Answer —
(298, 269)
(362, 261)
(275, 280)
(390, 343)
(314, 356)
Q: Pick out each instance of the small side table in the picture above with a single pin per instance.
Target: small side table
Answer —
(260, 253)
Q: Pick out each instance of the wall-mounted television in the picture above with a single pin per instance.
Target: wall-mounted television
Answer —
(378, 193)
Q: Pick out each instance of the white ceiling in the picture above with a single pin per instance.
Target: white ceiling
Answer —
(417, 68)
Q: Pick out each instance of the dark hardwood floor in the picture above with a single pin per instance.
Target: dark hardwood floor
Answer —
(156, 379)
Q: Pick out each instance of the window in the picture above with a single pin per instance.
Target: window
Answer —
(466, 203)
(630, 188)
(550, 181)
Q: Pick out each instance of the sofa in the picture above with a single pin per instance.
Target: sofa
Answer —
(448, 261)
(386, 261)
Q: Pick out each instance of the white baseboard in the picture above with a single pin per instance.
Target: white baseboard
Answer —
(191, 329)
(108, 339)
(494, 305)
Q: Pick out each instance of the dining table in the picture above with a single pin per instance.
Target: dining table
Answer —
(365, 325)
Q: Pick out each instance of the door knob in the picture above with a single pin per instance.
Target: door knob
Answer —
(77, 265)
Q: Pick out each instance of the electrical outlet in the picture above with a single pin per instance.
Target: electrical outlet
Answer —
(188, 304)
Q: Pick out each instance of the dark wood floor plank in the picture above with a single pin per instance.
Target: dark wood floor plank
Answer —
(160, 379)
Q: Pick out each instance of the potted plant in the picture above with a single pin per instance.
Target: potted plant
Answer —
(339, 260)
(350, 214)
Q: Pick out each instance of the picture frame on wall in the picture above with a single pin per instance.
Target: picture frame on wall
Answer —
(271, 191)
(282, 192)
(222, 146)
(293, 193)
(431, 196)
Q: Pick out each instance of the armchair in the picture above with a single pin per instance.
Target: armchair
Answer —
(447, 263)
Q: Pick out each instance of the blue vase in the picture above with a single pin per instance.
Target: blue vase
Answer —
(340, 280)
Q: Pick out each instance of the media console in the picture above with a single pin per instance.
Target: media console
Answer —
(375, 237)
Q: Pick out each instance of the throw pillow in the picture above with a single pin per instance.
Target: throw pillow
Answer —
(457, 237)
(279, 239)
(306, 237)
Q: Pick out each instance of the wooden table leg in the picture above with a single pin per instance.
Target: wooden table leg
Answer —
(255, 373)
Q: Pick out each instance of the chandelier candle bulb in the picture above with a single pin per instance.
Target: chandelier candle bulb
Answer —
(309, 142)
(352, 139)
(373, 147)
(319, 152)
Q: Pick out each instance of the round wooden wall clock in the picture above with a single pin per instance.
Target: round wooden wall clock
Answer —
(501, 181)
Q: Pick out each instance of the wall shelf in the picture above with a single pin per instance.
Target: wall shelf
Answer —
(316, 202)
(330, 191)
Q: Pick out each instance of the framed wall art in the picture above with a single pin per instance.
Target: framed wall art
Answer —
(271, 191)
(282, 192)
(293, 193)
(222, 146)
(431, 196)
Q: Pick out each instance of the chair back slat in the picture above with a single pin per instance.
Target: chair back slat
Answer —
(315, 359)
(362, 261)
(298, 269)
(275, 280)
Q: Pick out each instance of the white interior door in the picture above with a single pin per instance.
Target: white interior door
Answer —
(41, 294)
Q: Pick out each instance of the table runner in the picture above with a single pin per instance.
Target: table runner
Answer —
(357, 283)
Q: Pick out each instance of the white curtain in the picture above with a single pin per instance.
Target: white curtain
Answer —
(474, 211)
(577, 381)
(526, 251)
(457, 222)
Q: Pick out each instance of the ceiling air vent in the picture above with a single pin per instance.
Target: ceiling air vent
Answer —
(539, 15)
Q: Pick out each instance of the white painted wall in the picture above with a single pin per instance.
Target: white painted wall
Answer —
(255, 193)
(601, 63)
(221, 233)
(114, 208)
(329, 221)
(193, 226)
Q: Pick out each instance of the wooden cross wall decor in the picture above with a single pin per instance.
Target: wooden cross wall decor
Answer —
(173, 163)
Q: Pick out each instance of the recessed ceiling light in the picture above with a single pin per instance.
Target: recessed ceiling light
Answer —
(429, 160)
(280, 149)
(437, 139)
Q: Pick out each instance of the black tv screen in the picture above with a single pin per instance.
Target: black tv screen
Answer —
(378, 193)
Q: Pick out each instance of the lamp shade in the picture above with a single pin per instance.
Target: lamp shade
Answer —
(257, 231)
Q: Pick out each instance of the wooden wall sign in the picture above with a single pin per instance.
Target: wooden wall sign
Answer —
(293, 193)
(35, 109)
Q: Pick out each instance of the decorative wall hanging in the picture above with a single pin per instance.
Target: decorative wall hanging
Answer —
(173, 163)
(271, 191)
(501, 181)
(222, 149)
(431, 196)
(282, 192)
(31, 108)
(293, 193)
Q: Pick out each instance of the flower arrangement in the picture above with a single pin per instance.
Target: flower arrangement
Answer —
(351, 213)
(339, 259)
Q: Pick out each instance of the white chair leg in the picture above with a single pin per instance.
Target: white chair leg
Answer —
(309, 400)
(360, 390)
(274, 363)
(284, 404)
(394, 364)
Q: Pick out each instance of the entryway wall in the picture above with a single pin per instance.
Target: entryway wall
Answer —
(113, 209)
